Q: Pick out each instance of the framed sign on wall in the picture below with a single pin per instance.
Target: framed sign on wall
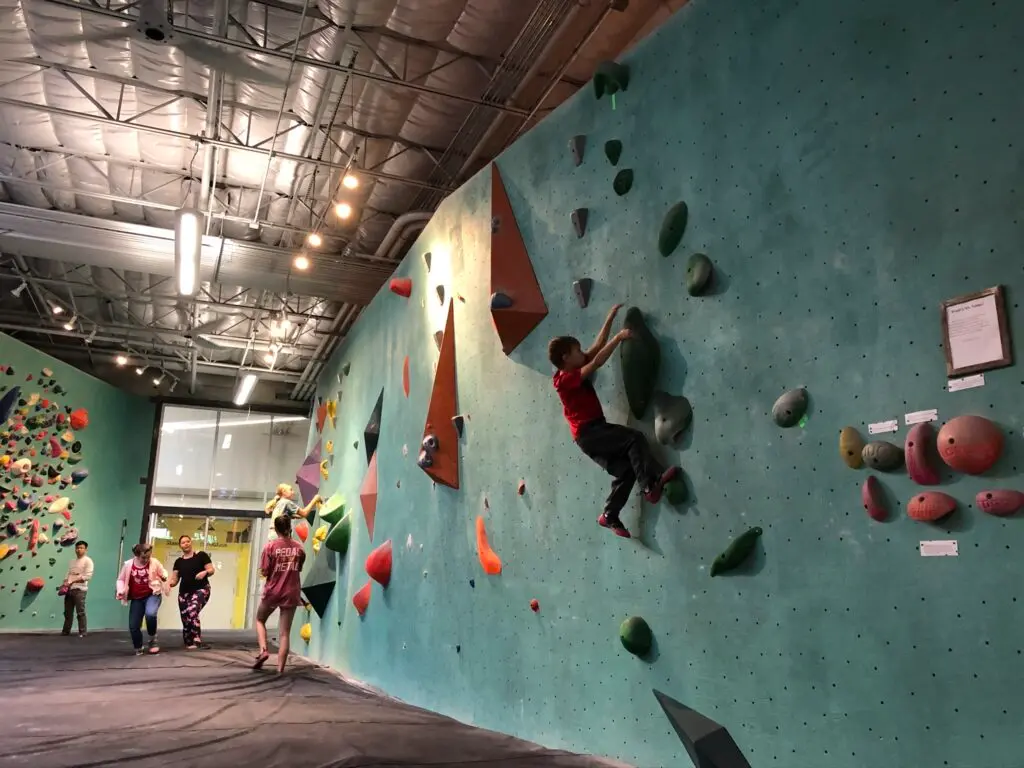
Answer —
(975, 332)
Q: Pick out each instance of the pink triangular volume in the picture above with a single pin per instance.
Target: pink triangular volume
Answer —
(368, 494)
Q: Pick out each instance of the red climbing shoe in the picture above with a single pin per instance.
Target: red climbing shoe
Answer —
(261, 659)
(616, 526)
(653, 495)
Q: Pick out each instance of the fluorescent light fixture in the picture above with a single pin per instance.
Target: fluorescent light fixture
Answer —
(225, 444)
(187, 426)
(121, 360)
(57, 309)
(188, 243)
(245, 388)
(301, 262)
(344, 210)
(70, 324)
(350, 181)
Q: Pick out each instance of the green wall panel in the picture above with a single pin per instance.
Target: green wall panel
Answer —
(115, 450)
(847, 168)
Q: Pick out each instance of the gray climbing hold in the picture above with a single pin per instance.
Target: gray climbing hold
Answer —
(579, 221)
(427, 259)
(673, 227)
(459, 422)
(610, 77)
(440, 294)
(613, 151)
(495, 224)
(623, 181)
(438, 336)
(672, 415)
(883, 456)
(698, 274)
(790, 408)
(577, 145)
(346, 368)
(500, 301)
(581, 289)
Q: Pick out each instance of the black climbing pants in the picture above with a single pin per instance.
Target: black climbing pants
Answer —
(74, 604)
(624, 454)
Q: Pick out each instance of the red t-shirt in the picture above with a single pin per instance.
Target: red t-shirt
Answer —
(579, 400)
(139, 587)
(282, 561)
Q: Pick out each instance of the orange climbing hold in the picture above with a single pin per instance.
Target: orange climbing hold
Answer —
(79, 419)
(361, 599)
(489, 561)
(405, 376)
(321, 416)
(378, 564)
(302, 530)
(34, 585)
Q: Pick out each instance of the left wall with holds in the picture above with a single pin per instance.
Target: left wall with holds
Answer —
(72, 452)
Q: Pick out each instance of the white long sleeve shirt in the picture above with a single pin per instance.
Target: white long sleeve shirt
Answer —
(81, 567)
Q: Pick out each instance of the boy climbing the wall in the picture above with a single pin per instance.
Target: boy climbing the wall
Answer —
(621, 451)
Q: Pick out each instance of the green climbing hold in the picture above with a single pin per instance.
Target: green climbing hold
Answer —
(623, 181)
(673, 227)
(338, 537)
(790, 407)
(639, 360)
(332, 510)
(636, 636)
(738, 551)
(613, 151)
(610, 77)
(698, 274)
(675, 492)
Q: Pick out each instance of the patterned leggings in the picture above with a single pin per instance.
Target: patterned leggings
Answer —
(190, 604)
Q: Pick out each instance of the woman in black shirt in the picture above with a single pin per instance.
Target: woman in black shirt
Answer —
(191, 572)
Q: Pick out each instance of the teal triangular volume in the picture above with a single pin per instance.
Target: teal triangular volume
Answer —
(318, 586)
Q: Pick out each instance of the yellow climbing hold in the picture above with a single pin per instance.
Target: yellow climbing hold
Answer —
(60, 505)
(332, 411)
(5, 550)
(329, 446)
(323, 469)
(68, 437)
(319, 536)
(5, 460)
(306, 632)
(33, 399)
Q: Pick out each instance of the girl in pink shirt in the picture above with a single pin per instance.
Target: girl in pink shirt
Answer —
(280, 564)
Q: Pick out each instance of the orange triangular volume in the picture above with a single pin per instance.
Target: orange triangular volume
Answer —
(321, 416)
(368, 494)
(444, 467)
(512, 272)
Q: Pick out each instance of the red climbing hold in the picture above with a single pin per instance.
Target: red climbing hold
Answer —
(534, 605)
(34, 585)
(378, 564)
(361, 599)
(402, 286)
(521, 488)
(79, 419)
(302, 530)
(405, 376)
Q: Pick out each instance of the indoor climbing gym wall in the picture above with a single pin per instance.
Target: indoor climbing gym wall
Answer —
(73, 451)
(803, 208)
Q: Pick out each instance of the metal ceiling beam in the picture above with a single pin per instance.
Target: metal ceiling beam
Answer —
(200, 139)
(303, 60)
(77, 239)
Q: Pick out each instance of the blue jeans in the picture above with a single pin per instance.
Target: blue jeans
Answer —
(147, 606)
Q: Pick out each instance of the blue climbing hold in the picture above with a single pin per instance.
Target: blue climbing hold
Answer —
(500, 301)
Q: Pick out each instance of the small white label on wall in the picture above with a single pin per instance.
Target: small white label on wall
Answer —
(883, 426)
(939, 549)
(967, 382)
(919, 417)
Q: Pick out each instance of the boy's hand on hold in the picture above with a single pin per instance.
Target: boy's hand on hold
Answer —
(615, 309)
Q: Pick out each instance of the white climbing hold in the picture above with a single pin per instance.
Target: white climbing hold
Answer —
(408, 542)
(405, 450)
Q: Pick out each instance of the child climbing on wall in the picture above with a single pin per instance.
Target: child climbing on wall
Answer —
(621, 451)
(284, 503)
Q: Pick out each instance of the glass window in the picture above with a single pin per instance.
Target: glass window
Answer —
(184, 456)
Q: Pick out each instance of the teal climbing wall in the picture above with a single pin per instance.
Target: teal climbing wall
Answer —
(847, 167)
(115, 447)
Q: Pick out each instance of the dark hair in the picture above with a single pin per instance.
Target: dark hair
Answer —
(283, 525)
(559, 347)
(81, 543)
(184, 536)
(140, 549)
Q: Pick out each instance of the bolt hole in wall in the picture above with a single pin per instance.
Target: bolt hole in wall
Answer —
(847, 168)
(225, 464)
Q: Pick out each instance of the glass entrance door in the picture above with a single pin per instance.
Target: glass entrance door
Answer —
(232, 547)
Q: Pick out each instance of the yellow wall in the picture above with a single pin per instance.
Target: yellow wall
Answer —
(180, 526)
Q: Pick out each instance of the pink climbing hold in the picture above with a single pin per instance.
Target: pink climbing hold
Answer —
(873, 499)
(1000, 502)
(521, 488)
(920, 440)
(378, 564)
(402, 286)
(361, 599)
(535, 605)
